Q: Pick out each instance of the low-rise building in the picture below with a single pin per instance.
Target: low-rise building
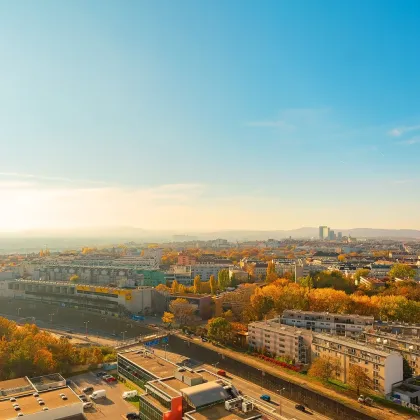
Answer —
(372, 282)
(203, 303)
(280, 340)
(340, 324)
(383, 367)
(58, 400)
(112, 300)
(174, 393)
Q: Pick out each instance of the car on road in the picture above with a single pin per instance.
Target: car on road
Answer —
(87, 389)
(109, 378)
(100, 374)
(221, 372)
(300, 407)
(265, 397)
(132, 416)
(69, 337)
(83, 397)
(204, 339)
(87, 404)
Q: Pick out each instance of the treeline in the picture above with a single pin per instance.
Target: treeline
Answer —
(28, 351)
(273, 299)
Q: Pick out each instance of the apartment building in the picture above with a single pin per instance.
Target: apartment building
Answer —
(339, 324)
(280, 340)
(185, 259)
(381, 365)
(409, 347)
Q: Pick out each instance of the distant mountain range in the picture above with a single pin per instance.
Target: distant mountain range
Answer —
(76, 238)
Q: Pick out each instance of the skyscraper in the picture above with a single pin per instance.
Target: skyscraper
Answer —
(324, 232)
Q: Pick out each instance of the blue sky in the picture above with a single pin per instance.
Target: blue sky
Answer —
(210, 114)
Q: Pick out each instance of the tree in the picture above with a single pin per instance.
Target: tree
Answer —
(182, 310)
(219, 329)
(361, 272)
(223, 279)
(162, 288)
(271, 273)
(197, 285)
(213, 285)
(325, 368)
(402, 271)
(74, 278)
(358, 378)
(341, 258)
(175, 287)
(168, 318)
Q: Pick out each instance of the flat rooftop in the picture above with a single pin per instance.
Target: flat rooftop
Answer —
(14, 383)
(169, 386)
(29, 404)
(158, 367)
(219, 412)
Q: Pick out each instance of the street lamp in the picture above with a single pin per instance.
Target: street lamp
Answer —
(51, 315)
(86, 325)
(123, 334)
(280, 392)
(165, 345)
(19, 311)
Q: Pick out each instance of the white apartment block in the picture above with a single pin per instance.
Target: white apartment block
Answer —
(382, 366)
(339, 324)
(280, 340)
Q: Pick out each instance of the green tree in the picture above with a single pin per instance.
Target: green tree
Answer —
(233, 281)
(197, 285)
(402, 271)
(223, 279)
(213, 285)
(219, 329)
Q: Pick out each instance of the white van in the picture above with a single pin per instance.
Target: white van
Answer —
(100, 393)
(129, 394)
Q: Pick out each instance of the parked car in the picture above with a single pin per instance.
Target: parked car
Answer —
(204, 339)
(265, 397)
(132, 416)
(83, 397)
(87, 389)
(87, 404)
(221, 372)
(69, 337)
(300, 407)
(101, 374)
(109, 378)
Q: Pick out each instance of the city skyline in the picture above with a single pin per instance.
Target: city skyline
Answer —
(218, 115)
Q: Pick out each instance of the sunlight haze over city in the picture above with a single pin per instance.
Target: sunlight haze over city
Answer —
(203, 115)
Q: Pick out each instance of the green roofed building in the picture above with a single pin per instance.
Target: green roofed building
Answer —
(151, 277)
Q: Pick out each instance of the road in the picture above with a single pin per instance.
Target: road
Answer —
(278, 405)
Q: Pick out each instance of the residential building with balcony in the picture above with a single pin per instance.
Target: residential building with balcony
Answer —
(280, 340)
(339, 324)
(382, 366)
(409, 347)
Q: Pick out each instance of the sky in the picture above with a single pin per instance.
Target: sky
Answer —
(204, 115)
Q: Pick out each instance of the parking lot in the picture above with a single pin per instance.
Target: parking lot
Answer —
(111, 407)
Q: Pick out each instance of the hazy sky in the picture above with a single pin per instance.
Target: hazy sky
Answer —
(209, 114)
